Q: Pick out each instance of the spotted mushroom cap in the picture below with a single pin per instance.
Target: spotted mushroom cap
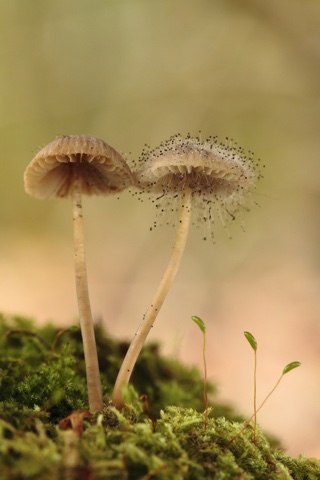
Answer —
(87, 161)
(207, 167)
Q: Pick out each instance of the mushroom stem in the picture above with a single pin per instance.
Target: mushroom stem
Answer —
(157, 301)
(86, 321)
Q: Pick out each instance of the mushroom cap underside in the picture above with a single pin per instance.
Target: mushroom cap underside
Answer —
(76, 161)
(202, 171)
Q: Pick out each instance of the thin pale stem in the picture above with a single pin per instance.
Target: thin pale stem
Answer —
(86, 321)
(246, 423)
(157, 301)
(269, 394)
(255, 396)
(205, 383)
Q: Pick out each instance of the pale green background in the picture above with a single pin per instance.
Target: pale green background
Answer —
(135, 72)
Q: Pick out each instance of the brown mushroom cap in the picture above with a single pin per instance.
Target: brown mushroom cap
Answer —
(205, 167)
(87, 161)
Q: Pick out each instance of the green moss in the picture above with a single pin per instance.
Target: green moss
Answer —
(42, 381)
(43, 368)
(113, 446)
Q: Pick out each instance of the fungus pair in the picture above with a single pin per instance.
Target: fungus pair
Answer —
(203, 174)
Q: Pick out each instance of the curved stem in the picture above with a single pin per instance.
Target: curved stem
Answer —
(269, 394)
(86, 321)
(255, 397)
(246, 423)
(205, 382)
(157, 301)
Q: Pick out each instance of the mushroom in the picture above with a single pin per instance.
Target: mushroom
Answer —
(69, 166)
(205, 174)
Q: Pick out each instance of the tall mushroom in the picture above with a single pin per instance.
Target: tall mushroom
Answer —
(206, 174)
(69, 166)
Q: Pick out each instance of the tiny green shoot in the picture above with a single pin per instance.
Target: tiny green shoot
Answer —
(200, 323)
(254, 344)
(202, 327)
(287, 369)
(290, 366)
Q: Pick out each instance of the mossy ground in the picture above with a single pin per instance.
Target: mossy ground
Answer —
(47, 433)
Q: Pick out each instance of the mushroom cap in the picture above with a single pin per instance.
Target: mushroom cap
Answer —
(76, 161)
(205, 167)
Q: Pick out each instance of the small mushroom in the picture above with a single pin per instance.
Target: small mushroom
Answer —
(69, 166)
(205, 174)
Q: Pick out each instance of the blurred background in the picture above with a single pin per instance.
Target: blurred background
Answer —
(136, 72)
